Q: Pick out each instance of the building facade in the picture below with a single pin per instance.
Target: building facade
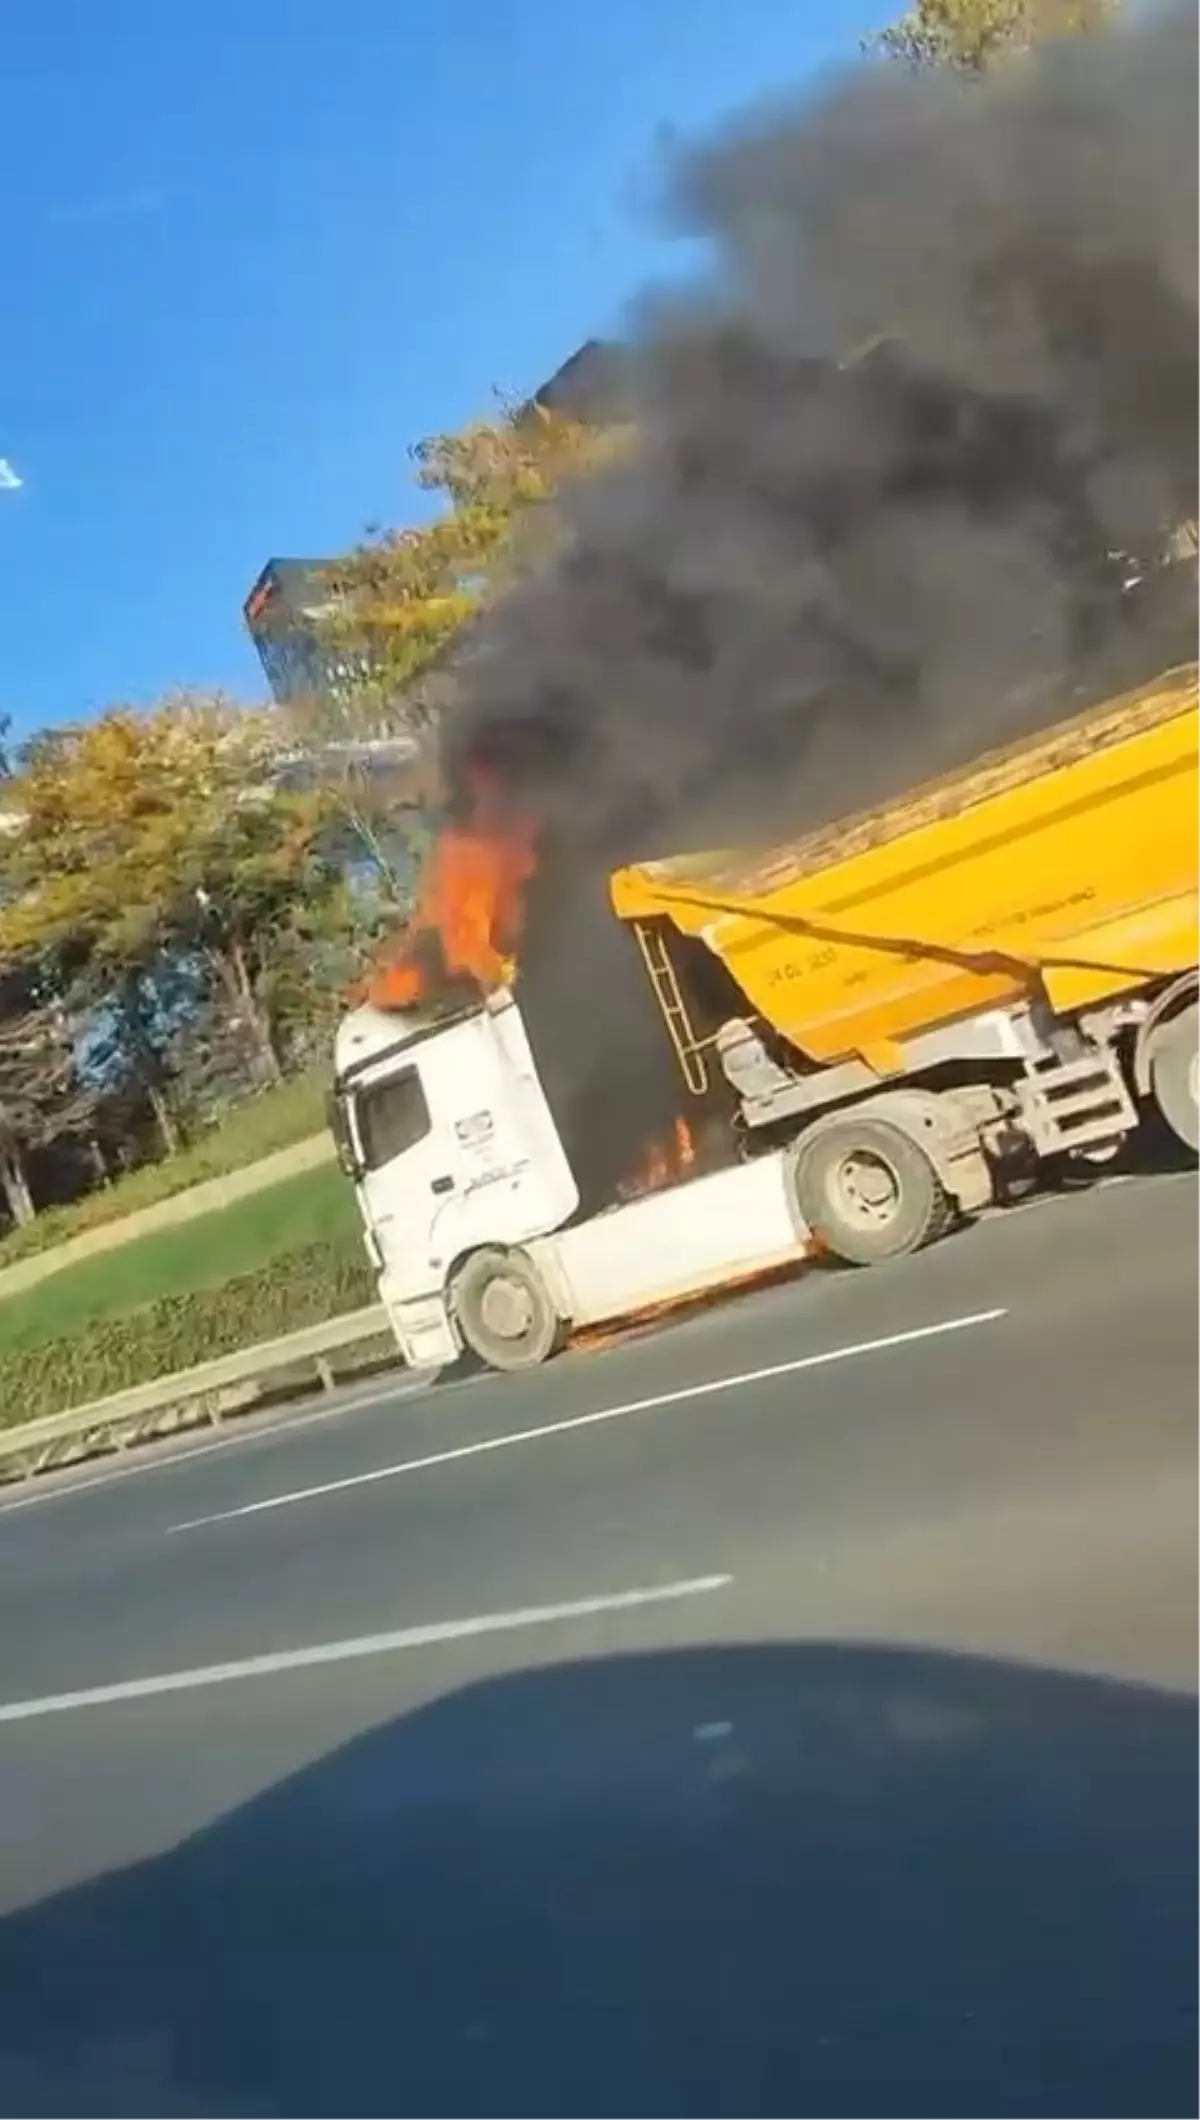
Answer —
(285, 613)
(286, 610)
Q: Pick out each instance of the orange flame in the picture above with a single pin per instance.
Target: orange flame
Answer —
(662, 1163)
(468, 917)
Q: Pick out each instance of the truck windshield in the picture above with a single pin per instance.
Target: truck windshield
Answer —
(392, 1116)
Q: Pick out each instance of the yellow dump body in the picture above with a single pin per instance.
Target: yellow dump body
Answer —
(1064, 866)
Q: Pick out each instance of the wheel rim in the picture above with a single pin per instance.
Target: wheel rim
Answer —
(1193, 1078)
(865, 1188)
(506, 1307)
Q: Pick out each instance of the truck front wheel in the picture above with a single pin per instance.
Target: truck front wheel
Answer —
(867, 1191)
(505, 1312)
(1175, 1075)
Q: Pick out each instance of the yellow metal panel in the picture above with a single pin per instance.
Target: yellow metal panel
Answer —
(1069, 863)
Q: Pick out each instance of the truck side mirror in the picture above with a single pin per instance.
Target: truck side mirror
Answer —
(338, 1120)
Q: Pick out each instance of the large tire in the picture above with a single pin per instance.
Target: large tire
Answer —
(867, 1191)
(505, 1311)
(1175, 1075)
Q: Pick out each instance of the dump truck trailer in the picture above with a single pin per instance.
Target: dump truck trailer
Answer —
(999, 968)
(892, 1023)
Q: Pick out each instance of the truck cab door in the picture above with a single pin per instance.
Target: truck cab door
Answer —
(403, 1174)
(458, 1149)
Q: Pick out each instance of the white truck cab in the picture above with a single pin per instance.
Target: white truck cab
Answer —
(444, 1126)
(468, 1198)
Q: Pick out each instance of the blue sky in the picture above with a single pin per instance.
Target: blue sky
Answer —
(248, 255)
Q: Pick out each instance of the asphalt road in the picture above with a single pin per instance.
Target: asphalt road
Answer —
(790, 1712)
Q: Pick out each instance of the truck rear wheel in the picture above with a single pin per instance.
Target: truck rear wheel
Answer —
(1175, 1075)
(505, 1312)
(867, 1191)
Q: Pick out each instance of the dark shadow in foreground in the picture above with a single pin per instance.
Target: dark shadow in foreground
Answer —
(761, 1880)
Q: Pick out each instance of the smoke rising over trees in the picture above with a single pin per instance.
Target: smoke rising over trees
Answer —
(933, 408)
(894, 462)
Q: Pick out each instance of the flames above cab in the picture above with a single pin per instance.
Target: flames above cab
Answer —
(470, 907)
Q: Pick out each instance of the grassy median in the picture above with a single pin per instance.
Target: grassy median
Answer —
(282, 1258)
(276, 1119)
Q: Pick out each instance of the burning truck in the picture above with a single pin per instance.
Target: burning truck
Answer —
(876, 1030)
(861, 604)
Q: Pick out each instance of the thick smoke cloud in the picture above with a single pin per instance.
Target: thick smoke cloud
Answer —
(943, 371)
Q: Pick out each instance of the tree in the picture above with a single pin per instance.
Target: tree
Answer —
(319, 952)
(43, 1094)
(267, 860)
(970, 35)
(157, 856)
(374, 777)
(401, 601)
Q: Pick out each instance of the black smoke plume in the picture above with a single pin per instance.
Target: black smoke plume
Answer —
(900, 457)
(908, 463)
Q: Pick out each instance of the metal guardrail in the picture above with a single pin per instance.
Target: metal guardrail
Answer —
(230, 1384)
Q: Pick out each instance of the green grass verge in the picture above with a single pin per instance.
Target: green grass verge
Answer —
(282, 1258)
(277, 1119)
(302, 1288)
(316, 1205)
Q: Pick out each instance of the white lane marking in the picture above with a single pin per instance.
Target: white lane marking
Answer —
(450, 1630)
(244, 1428)
(591, 1420)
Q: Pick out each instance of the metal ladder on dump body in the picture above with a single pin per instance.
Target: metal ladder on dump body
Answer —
(663, 978)
(1082, 1102)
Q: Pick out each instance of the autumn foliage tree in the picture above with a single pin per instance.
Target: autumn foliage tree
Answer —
(403, 597)
(971, 35)
(155, 887)
(176, 919)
